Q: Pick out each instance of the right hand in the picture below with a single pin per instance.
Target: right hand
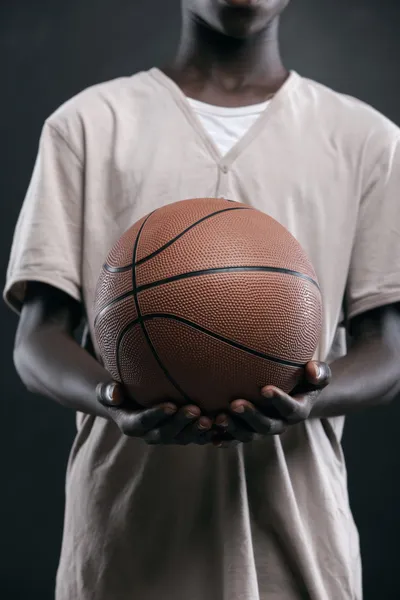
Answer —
(162, 424)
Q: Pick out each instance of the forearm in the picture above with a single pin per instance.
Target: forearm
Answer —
(368, 376)
(51, 363)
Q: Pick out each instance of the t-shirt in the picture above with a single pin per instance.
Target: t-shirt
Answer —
(224, 125)
(269, 520)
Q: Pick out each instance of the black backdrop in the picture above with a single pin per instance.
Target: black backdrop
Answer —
(49, 51)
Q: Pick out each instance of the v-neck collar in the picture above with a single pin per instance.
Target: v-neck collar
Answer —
(274, 105)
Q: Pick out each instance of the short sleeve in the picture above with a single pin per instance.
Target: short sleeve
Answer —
(374, 274)
(47, 240)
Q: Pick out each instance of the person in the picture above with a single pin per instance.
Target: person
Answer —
(166, 503)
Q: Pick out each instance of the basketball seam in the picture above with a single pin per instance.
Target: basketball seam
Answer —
(212, 334)
(110, 269)
(125, 330)
(141, 320)
(110, 304)
(241, 269)
(134, 295)
(190, 274)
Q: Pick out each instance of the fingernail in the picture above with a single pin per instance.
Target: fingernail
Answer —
(239, 409)
(109, 394)
(114, 393)
(203, 424)
(221, 421)
(170, 409)
(268, 393)
(324, 372)
(191, 414)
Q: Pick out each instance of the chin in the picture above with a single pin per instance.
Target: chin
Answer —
(245, 19)
(241, 28)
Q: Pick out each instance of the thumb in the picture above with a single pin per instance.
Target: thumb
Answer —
(110, 394)
(318, 373)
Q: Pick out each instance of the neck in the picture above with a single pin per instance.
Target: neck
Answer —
(206, 57)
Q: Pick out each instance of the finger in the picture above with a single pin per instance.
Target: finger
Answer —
(221, 438)
(138, 423)
(184, 417)
(110, 394)
(238, 430)
(291, 409)
(199, 433)
(318, 373)
(317, 376)
(258, 422)
(221, 422)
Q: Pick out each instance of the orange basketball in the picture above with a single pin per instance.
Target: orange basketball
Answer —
(204, 301)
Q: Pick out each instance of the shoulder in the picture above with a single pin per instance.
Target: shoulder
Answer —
(354, 124)
(99, 108)
(344, 107)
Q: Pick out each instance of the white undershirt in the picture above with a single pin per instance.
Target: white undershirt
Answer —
(226, 126)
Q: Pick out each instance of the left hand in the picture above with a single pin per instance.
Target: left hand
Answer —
(246, 422)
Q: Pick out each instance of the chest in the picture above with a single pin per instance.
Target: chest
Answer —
(306, 182)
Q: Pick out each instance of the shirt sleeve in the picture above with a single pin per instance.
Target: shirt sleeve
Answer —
(47, 241)
(374, 274)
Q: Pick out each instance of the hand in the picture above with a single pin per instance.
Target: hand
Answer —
(161, 424)
(248, 422)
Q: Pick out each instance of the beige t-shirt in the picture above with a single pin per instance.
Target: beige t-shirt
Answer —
(265, 521)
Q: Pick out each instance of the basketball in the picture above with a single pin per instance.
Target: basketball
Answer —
(204, 301)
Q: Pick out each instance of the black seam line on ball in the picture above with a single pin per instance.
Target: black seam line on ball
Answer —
(153, 284)
(125, 330)
(221, 338)
(111, 303)
(159, 250)
(134, 294)
(107, 267)
(142, 324)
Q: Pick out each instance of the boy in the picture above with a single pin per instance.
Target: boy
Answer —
(268, 518)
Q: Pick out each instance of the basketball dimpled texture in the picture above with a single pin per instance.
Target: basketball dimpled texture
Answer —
(204, 301)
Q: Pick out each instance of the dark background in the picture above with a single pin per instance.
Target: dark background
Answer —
(49, 51)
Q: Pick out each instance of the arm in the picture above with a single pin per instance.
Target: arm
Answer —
(48, 359)
(369, 375)
(50, 362)
(47, 247)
